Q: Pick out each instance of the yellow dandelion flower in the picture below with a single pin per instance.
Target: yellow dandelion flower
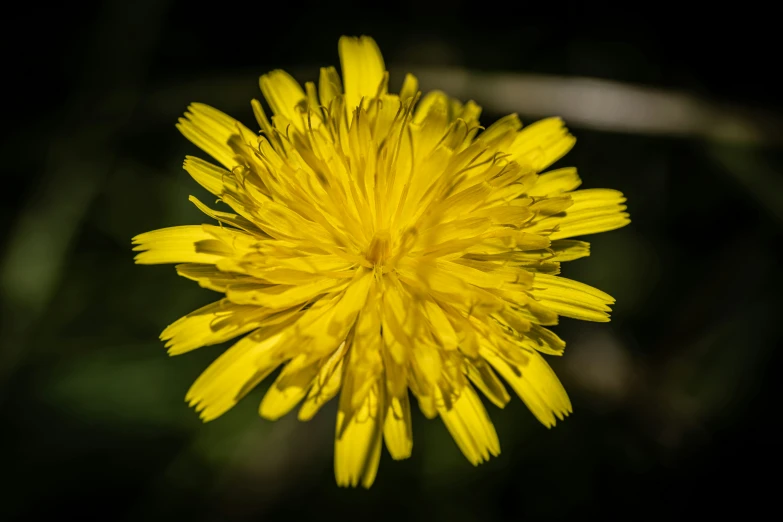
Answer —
(379, 244)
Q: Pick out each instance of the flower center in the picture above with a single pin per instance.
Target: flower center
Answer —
(380, 247)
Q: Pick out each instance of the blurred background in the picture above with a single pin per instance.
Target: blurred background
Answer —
(675, 400)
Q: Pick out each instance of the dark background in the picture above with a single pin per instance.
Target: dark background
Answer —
(676, 401)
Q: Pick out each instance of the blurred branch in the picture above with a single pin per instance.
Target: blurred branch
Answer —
(608, 105)
(583, 102)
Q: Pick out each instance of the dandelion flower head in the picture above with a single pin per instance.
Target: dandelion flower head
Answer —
(384, 248)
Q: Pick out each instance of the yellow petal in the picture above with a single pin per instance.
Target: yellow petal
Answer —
(572, 298)
(210, 129)
(555, 182)
(471, 427)
(357, 447)
(226, 217)
(209, 176)
(282, 296)
(427, 362)
(397, 428)
(325, 385)
(542, 143)
(289, 389)
(569, 250)
(212, 324)
(234, 374)
(363, 69)
(536, 384)
(353, 300)
(596, 198)
(329, 85)
(441, 327)
(433, 109)
(502, 132)
(482, 376)
(323, 328)
(397, 334)
(592, 211)
(185, 244)
(545, 340)
(474, 276)
(209, 276)
(586, 223)
(284, 96)
(365, 360)
(470, 113)
(410, 86)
